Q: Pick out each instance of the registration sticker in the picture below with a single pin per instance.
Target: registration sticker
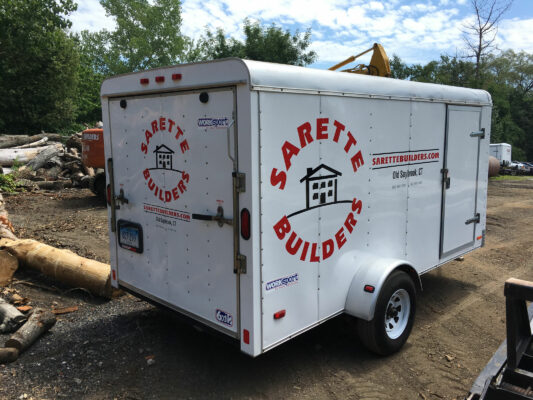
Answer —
(130, 236)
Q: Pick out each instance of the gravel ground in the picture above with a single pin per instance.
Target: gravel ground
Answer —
(128, 349)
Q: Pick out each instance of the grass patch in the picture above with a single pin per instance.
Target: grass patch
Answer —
(511, 178)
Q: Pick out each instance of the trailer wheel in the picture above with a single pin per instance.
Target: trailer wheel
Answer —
(393, 318)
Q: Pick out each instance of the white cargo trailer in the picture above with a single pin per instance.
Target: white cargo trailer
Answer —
(264, 199)
(502, 151)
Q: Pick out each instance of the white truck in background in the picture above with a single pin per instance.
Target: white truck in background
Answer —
(501, 151)
(262, 199)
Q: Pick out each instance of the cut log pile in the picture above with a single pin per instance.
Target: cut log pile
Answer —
(61, 265)
(47, 161)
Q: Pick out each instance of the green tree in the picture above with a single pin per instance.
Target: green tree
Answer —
(262, 43)
(38, 65)
(399, 69)
(507, 76)
(147, 36)
(509, 79)
(96, 63)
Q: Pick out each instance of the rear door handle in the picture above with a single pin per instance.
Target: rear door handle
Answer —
(219, 217)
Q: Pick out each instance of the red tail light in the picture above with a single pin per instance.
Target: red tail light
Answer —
(145, 81)
(160, 79)
(369, 288)
(245, 224)
(108, 194)
(280, 314)
(176, 77)
(246, 336)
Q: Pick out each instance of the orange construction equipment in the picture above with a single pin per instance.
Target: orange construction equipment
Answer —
(92, 155)
(92, 145)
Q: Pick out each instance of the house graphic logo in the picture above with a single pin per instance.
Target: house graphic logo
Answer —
(323, 188)
(320, 188)
(163, 157)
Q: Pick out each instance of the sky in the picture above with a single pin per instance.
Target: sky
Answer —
(418, 31)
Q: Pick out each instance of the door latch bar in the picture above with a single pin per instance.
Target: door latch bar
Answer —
(480, 134)
(121, 198)
(475, 219)
(218, 218)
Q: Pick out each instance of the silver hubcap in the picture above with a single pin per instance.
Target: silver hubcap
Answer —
(397, 314)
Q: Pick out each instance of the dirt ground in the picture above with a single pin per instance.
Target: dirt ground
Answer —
(99, 352)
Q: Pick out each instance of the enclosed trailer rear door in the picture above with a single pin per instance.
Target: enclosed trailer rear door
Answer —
(460, 179)
(171, 164)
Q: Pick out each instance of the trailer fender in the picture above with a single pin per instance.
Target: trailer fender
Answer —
(373, 271)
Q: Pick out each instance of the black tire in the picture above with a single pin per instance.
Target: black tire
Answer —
(98, 186)
(373, 333)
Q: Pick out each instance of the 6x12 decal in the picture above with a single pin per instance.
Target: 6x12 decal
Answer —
(224, 317)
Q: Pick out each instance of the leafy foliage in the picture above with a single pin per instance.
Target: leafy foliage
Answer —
(50, 80)
(262, 43)
(38, 65)
(147, 35)
(507, 76)
(8, 183)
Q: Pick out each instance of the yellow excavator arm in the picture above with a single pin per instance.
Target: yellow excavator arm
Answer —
(379, 63)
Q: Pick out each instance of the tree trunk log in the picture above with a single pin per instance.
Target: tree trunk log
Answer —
(22, 140)
(74, 141)
(63, 265)
(40, 321)
(51, 185)
(8, 265)
(71, 157)
(38, 143)
(44, 156)
(10, 317)
(9, 156)
(8, 354)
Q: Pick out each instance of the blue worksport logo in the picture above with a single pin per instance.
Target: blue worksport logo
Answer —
(215, 123)
(282, 282)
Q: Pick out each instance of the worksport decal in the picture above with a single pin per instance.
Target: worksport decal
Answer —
(319, 187)
(163, 144)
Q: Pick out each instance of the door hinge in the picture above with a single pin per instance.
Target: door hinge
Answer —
(445, 177)
(240, 264)
(480, 134)
(475, 219)
(239, 181)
